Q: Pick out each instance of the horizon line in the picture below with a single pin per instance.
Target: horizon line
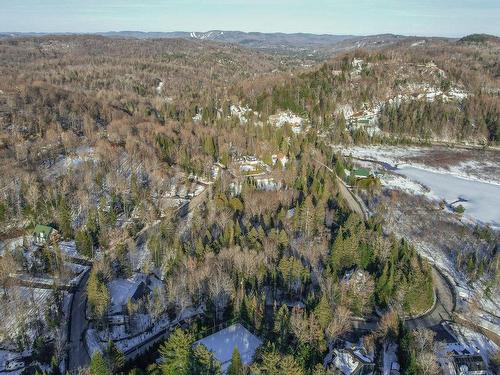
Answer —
(240, 31)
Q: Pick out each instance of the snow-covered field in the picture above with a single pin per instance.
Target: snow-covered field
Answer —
(223, 343)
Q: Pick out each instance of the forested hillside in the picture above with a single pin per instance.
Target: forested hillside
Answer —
(436, 91)
(203, 176)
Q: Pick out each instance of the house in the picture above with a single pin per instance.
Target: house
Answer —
(44, 234)
(124, 290)
(223, 343)
(352, 362)
(362, 173)
(469, 365)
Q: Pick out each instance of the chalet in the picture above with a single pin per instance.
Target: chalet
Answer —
(123, 291)
(362, 173)
(44, 234)
(469, 365)
(352, 362)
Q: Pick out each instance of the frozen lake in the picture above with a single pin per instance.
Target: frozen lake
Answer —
(482, 199)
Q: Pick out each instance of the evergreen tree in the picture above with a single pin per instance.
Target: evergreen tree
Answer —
(175, 353)
(54, 366)
(323, 312)
(385, 284)
(98, 295)
(98, 365)
(65, 219)
(236, 367)
(83, 242)
(114, 357)
(282, 326)
(203, 362)
(406, 353)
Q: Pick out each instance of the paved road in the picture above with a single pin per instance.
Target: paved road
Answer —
(441, 311)
(78, 356)
(355, 203)
(352, 201)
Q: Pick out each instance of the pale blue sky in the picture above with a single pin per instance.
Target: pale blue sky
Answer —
(360, 17)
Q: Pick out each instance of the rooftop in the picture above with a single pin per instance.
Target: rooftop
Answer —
(222, 344)
(46, 230)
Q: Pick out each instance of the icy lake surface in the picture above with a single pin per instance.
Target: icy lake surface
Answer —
(482, 199)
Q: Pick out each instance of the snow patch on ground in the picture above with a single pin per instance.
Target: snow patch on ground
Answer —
(159, 88)
(197, 118)
(397, 182)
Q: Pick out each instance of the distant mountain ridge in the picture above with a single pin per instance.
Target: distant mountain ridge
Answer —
(295, 43)
(251, 39)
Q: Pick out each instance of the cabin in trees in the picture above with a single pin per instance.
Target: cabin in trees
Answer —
(352, 362)
(359, 173)
(362, 173)
(124, 290)
(44, 234)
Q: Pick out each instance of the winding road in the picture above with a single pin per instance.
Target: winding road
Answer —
(77, 353)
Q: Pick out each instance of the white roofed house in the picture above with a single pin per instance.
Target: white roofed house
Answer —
(127, 313)
(223, 343)
(350, 359)
(123, 290)
(349, 362)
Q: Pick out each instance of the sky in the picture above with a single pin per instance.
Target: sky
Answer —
(452, 18)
